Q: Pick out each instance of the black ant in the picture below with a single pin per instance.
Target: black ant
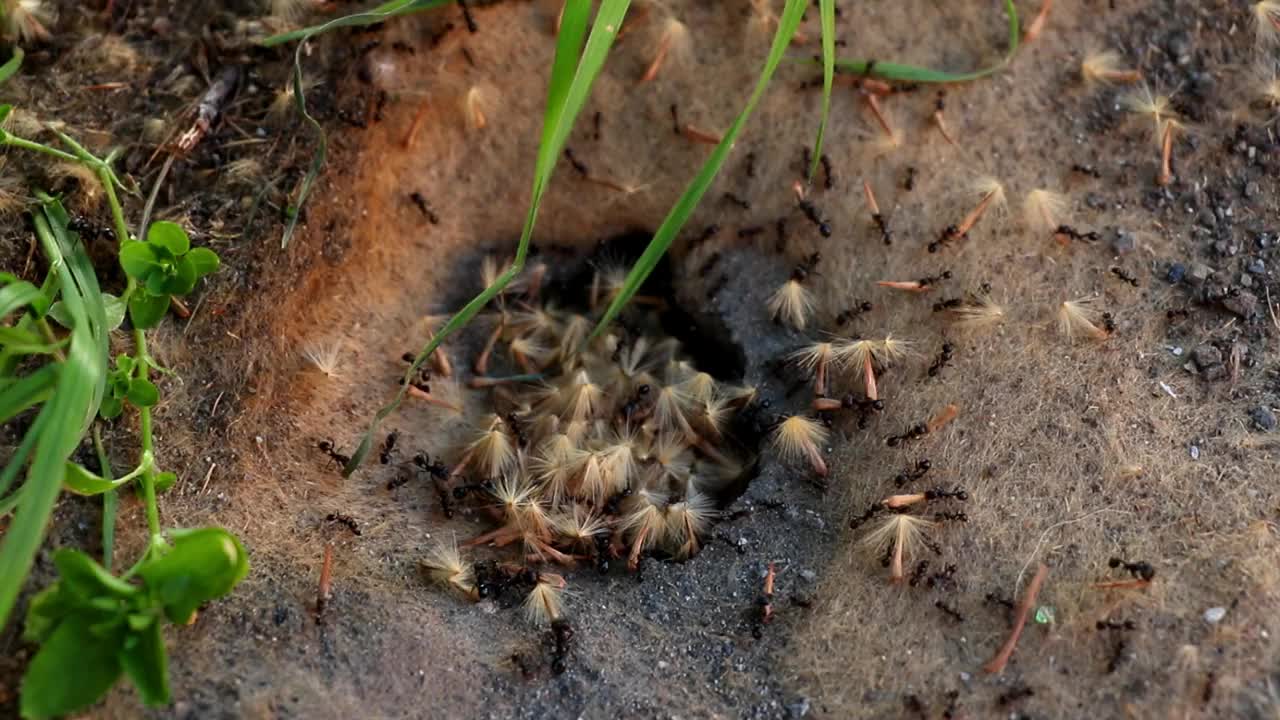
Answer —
(1114, 625)
(948, 304)
(709, 264)
(914, 705)
(425, 209)
(829, 178)
(707, 233)
(854, 311)
(717, 287)
(997, 599)
(421, 379)
(562, 639)
(944, 579)
(460, 492)
(750, 232)
(950, 234)
(730, 197)
(522, 664)
(764, 606)
(811, 212)
(1177, 314)
(751, 164)
(1141, 569)
(944, 494)
(327, 447)
(1089, 170)
(909, 183)
(466, 16)
(1119, 654)
(916, 431)
(922, 467)
(882, 224)
(1108, 323)
(1074, 234)
(948, 516)
(918, 574)
(780, 245)
(389, 447)
(595, 122)
(1020, 692)
(518, 429)
(1124, 275)
(87, 229)
(875, 509)
(943, 358)
(346, 520)
(944, 607)
(675, 119)
(577, 164)
(806, 267)
(637, 405)
(953, 705)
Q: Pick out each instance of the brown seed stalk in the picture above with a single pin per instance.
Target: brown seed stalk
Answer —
(1001, 658)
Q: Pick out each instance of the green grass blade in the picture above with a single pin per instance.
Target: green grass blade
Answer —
(567, 91)
(376, 15)
(688, 202)
(17, 295)
(11, 65)
(109, 501)
(61, 422)
(827, 10)
(368, 17)
(26, 392)
(912, 73)
(19, 459)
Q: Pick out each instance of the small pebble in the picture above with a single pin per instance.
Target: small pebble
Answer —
(1214, 615)
(1263, 418)
(1177, 271)
(1195, 452)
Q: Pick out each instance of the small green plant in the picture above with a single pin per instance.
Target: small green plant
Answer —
(93, 626)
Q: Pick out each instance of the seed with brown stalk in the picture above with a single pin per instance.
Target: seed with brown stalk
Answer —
(799, 438)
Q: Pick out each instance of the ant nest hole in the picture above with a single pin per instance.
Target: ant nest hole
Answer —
(593, 450)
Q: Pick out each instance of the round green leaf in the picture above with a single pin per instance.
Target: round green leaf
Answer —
(165, 480)
(183, 280)
(170, 236)
(72, 670)
(82, 482)
(147, 310)
(204, 260)
(86, 578)
(124, 363)
(145, 661)
(111, 407)
(138, 259)
(158, 281)
(142, 393)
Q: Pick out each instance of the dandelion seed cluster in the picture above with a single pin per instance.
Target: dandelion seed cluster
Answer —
(619, 449)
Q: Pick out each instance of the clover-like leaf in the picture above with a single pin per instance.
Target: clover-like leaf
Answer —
(165, 480)
(158, 281)
(142, 393)
(205, 260)
(73, 669)
(87, 579)
(183, 279)
(170, 236)
(147, 310)
(111, 407)
(204, 564)
(138, 259)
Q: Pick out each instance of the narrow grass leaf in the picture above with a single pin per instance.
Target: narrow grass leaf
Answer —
(688, 202)
(17, 295)
(11, 66)
(827, 11)
(371, 16)
(916, 74)
(567, 92)
(27, 391)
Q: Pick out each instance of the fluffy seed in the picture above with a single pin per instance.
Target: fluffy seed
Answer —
(792, 304)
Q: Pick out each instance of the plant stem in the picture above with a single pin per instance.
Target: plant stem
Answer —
(49, 337)
(109, 500)
(117, 212)
(37, 147)
(143, 368)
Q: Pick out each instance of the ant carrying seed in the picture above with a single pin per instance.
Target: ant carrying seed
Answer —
(1141, 569)
(918, 574)
(346, 520)
(950, 611)
(577, 164)
(871, 512)
(1015, 694)
(327, 447)
(388, 447)
(915, 432)
(750, 232)
(425, 209)
(811, 211)
(730, 197)
(876, 216)
(940, 104)
(1089, 170)
(921, 468)
(1124, 275)
(941, 361)
(850, 313)
(764, 603)
(992, 193)
(709, 264)
(922, 285)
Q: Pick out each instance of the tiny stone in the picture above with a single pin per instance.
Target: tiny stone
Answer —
(1199, 274)
(1123, 243)
(1177, 271)
(1263, 418)
(1195, 452)
(1246, 281)
(1214, 372)
(1244, 304)
(1095, 201)
(1206, 355)
(1177, 351)
(808, 575)
(1252, 189)
(663, 665)
(799, 708)
(1256, 266)
(1214, 615)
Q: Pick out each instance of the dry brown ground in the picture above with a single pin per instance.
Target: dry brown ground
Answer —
(1071, 452)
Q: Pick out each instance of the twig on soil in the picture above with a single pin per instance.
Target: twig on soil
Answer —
(997, 663)
(326, 576)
